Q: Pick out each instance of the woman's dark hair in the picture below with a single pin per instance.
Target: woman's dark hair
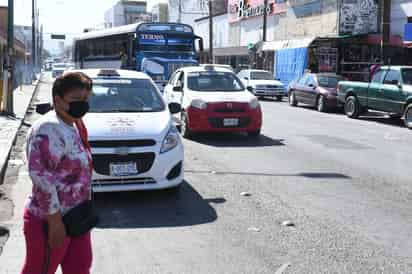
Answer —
(69, 81)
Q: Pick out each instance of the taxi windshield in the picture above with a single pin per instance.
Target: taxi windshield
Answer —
(125, 95)
(214, 82)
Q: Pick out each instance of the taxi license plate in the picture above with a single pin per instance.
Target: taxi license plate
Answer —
(123, 169)
(230, 122)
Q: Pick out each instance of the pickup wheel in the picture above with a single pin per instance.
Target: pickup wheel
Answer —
(352, 107)
(408, 116)
(292, 99)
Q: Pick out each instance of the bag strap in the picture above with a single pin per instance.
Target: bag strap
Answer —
(84, 136)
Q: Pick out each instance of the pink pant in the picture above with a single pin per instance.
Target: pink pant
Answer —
(74, 256)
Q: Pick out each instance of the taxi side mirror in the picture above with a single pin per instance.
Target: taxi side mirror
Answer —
(43, 108)
(175, 108)
(177, 89)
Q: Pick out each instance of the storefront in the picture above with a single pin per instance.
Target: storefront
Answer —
(350, 56)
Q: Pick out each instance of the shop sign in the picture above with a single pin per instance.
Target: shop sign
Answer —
(358, 17)
(243, 9)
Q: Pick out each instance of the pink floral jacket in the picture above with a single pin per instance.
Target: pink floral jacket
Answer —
(59, 167)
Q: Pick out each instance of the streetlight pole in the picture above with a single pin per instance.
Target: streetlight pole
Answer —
(265, 16)
(210, 32)
(33, 34)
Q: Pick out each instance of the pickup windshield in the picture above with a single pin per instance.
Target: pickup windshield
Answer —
(125, 95)
(214, 82)
(407, 76)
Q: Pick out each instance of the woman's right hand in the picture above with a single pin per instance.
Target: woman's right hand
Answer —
(56, 230)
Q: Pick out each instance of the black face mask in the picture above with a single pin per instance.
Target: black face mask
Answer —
(78, 109)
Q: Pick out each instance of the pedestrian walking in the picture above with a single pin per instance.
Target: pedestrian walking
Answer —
(59, 163)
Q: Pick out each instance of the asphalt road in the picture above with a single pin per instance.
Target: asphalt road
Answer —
(344, 185)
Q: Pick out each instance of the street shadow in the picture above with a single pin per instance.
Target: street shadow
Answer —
(383, 119)
(236, 140)
(270, 99)
(160, 208)
(310, 175)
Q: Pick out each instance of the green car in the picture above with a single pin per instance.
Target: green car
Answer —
(389, 91)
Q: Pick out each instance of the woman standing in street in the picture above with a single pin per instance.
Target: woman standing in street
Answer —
(59, 163)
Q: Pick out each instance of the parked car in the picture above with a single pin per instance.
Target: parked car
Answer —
(58, 69)
(213, 100)
(135, 145)
(262, 83)
(389, 91)
(315, 89)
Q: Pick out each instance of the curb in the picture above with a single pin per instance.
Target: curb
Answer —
(3, 168)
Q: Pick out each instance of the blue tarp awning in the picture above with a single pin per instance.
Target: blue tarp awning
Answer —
(290, 64)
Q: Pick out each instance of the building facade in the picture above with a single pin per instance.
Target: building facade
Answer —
(321, 35)
(187, 11)
(126, 12)
(160, 13)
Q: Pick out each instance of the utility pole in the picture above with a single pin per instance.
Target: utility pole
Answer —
(265, 16)
(385, 28)
(7, 107)
(210, 32)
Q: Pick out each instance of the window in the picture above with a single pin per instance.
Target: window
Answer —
(125, 95)
(329, 81)
(409, 19)
(182, 79)
(378, 77)
(311, 81)
(391, 77)
(214, 82)
(172, 79)
(261, 75)
(302, 80)
(407, 76)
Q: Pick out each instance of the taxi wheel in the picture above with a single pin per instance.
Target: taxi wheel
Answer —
(173, 190)
(184, 127)
(279, 98)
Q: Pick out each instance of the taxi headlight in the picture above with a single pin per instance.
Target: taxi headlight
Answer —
(199, 104)
(171, 140)
(254, 103)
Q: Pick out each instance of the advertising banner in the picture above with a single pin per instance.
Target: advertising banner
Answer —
(358, 17)
(244, 9)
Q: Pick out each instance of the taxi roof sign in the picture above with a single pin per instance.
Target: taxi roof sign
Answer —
(58, 36)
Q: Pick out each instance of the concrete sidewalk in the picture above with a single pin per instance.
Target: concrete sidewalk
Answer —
(9, 126)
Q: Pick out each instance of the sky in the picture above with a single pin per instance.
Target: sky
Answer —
(68, 17)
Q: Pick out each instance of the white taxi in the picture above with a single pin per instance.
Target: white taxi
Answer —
(135, 145)
(213, 99)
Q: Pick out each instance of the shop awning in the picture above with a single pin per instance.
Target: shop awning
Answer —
(231, 51)
(285, 44)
